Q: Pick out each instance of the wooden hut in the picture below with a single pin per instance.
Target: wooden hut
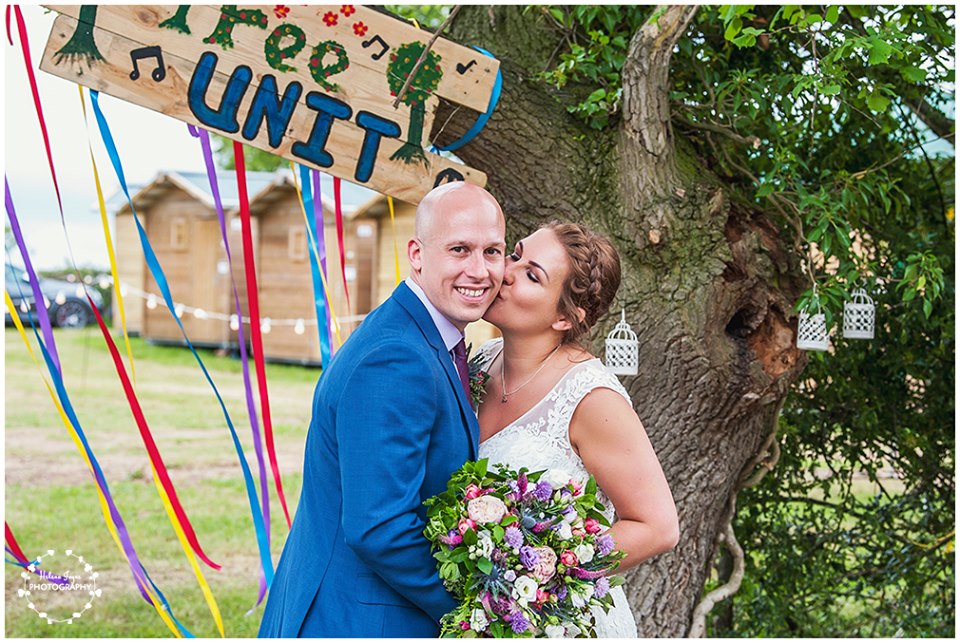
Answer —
(284, 277)
(401, 230)
(179, 215)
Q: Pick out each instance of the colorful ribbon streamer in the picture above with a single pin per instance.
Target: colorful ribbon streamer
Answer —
(312, 238)
(321, 240)
(115, 525)
(154, 265)
(106, 235)
(20, 560)
(396, 252)
(307, 203)
(482, 119)
(343, 255)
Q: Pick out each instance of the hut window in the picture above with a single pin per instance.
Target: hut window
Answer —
(178, 234)
(297, 244)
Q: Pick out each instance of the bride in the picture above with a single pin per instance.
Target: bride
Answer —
(550, 404)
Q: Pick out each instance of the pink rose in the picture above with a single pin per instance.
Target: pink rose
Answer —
(542, 597)
(473, 491)
(592, 525)
(486, 509)
(577, 487)
(568, 558)
(464, 625)
(546, 566)
(579, 533)
(465, 524)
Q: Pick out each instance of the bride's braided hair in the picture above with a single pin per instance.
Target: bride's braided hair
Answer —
(593, 280)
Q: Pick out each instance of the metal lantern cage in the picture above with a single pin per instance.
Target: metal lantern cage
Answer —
(812, 332)
(859, 316)
(622, 348)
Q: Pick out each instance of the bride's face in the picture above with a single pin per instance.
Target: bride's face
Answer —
(532, 284)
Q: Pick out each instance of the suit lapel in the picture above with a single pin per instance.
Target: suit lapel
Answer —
(412, 304)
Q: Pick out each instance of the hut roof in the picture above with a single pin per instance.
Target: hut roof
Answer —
(352, 196)
(193, 183)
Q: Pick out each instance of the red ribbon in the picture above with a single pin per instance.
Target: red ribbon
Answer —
(12, 544)
(25, 46)
(256, 340)
(343, 256)
(155, 458)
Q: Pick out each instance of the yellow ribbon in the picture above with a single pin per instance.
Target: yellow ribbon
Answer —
(109, 240)
(104, 507)
(396, 252)
(313, 247)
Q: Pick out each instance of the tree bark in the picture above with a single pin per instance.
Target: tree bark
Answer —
(707, 282)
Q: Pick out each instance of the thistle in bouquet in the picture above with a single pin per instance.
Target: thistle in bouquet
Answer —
(478, 377)
(522, 552)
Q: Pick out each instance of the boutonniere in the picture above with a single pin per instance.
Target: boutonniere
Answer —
(478, 378)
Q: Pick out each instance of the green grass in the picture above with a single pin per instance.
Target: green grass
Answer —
(51, 501)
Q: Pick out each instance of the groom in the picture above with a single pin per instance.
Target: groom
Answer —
(391, 421)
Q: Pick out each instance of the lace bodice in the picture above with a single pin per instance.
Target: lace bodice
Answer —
(540, 439)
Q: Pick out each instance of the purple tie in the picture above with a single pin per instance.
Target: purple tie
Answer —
(460, 359)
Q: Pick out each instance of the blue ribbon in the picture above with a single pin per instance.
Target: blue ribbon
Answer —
(482, 119)
(319, 300)
(132, 559)
(154, 265)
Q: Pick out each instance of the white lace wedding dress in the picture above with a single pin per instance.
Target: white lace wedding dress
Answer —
(539, 439)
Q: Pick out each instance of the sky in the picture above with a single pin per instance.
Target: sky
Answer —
(147, 141)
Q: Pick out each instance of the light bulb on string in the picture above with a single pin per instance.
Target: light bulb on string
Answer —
(265, 325)
(299, 327)
(234, 322)
(151, 301)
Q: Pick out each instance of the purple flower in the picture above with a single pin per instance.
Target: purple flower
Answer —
(513, 537)
(529, 557)
(602, 587)
(519, 623)
(542, 491)
(605, 544)
(561, 592)
(452, 539)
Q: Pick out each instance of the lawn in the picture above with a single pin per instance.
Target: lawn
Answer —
(51, 502)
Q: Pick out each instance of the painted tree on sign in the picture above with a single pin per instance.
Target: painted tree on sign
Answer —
(178, 21)
(81, 46)
(424, 84)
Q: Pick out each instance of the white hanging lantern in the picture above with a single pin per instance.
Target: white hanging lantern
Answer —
(623, 349)
(812, 330)
(859, 316)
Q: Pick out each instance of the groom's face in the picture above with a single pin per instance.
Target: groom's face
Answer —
(457, 256)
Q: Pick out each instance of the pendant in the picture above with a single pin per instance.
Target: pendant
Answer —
(503, 399)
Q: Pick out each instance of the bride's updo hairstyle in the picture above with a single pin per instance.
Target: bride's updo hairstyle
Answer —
(593, 280)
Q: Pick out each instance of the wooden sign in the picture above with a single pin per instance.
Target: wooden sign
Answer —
(314, 84)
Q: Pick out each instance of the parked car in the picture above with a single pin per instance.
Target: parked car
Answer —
(65, 302)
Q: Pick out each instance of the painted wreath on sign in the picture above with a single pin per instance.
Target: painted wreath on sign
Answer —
(275, 54)
(321, 72)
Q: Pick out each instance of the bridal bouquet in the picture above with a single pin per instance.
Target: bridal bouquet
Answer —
(522, 552)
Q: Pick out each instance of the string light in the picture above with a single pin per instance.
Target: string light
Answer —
(60, 298)
(234, 323)
(299, 327)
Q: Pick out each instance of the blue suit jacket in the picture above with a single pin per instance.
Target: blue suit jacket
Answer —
(390, 424)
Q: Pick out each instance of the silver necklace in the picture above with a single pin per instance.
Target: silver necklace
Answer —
(503, 375)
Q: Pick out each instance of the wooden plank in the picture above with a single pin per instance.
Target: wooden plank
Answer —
(468, 76)
(407, 179)
(363, 87)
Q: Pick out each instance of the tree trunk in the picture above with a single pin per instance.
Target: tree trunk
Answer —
(707, 283)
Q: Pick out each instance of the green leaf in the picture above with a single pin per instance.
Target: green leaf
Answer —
(878, 102)
(879, 51)
(733, 29)
(927, 308)
(913, 74)
(833, 13)
(485, 565)
(830, 90)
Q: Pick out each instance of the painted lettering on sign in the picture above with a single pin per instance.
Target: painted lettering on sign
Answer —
(313, 84)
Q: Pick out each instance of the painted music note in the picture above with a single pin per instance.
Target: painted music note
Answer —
(137, 55)
(447, 176)
(462, 69)
(379, 40)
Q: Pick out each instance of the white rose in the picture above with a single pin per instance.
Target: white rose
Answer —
(525, 589)
(564, 531)
(486, 509)
(556, 477)
(478, 620)
(555, 631)
(584, 552)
